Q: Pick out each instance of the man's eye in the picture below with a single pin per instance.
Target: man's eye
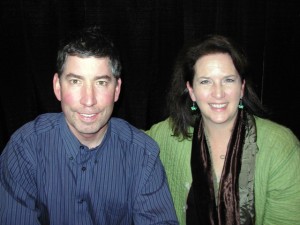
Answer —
(74, 81)
(102, 83)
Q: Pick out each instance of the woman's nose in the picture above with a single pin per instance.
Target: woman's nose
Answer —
(218, 91)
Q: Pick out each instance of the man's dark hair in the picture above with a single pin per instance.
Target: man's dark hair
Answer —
(88, 42)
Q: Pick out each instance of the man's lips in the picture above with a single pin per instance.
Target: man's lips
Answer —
(87, 115)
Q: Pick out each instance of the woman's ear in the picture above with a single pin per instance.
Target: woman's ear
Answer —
(243, 88)
(56, 87)
(191, 91)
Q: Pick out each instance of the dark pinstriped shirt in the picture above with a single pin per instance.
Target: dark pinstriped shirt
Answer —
(48, 177)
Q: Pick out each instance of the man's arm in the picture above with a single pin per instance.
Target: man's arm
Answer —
(17, 188)
(154, 204)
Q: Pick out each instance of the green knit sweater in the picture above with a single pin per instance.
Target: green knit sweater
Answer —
(277, 171)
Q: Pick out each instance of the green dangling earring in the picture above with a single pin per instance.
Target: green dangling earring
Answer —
(194, 107)
(241, 106)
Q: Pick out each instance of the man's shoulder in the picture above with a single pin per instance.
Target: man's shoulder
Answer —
(130, 134)
(42, 123)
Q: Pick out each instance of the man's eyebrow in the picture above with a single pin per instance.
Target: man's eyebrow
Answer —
(107, 77)
(73, 75)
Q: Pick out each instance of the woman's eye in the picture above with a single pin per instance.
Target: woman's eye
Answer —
(229, 80)
(204, 82)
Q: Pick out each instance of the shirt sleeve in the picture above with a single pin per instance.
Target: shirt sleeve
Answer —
(17, 187)
(278, 180)
(153, 204)
(283, 196)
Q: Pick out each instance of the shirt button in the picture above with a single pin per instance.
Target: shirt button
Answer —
(71, 158)
(80, 201)
(184, 208)
(83, 168)
(81, 147)
(187, 185)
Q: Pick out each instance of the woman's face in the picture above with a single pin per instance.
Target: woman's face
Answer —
(217, 89)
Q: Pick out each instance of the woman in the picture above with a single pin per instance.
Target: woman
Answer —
(225, 163)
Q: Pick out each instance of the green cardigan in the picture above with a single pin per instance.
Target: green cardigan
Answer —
(277, 171)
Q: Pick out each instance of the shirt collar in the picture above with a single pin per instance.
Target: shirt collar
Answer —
(72, 143)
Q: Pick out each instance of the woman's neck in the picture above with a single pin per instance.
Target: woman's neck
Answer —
(217, 132)
(218, 137)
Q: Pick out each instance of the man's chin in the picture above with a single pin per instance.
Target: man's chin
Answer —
(91, 130)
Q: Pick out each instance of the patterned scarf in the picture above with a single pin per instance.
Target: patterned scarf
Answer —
(201, 201)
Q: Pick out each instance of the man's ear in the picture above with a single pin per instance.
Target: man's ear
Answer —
(118, 89)
(56, 87)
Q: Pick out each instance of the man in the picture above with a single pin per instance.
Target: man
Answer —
(81, 166)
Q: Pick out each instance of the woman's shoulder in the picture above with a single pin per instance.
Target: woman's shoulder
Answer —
(162, 132)
(272, 131)
(274, 135)
(162, 127)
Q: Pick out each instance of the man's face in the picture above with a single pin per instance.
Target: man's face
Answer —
(87, 91)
